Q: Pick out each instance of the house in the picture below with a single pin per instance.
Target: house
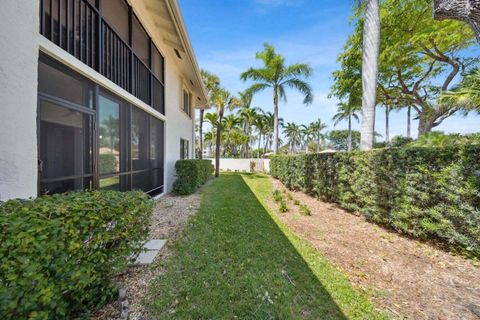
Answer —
(95, 94)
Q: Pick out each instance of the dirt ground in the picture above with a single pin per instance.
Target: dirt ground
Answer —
(410, 279)
(169, 217)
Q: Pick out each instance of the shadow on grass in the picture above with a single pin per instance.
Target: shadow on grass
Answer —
(233, 261)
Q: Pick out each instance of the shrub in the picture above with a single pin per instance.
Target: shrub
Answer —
(282, 206)
(304, 210)
(289, 196)
(191, 174)
(296, 202)
(428, 193)
(253, 165)
(277, 196)
(59, 252)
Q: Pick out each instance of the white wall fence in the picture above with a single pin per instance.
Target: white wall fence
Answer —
(243, 165)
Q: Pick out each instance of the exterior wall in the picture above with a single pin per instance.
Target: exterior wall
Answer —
(19, 21)
(178, 124)
(261, 165)
(20, 42)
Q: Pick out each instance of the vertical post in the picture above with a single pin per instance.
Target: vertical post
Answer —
(67, 23)
(60, 23)
(74, 28)
(130, 78)
(51, 21)
(42, 17)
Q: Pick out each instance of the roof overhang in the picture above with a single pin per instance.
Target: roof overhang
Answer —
(168, 19)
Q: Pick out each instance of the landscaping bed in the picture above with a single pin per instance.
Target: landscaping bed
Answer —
(407, 277)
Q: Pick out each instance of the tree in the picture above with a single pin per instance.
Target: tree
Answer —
(293, 133)
(276, 75)
(420, 58)
(371, 49)
(346, 111)
(248, 116)
(211, 83)
(317, 128)
(339, 139)
(467, 11)
(222, 99)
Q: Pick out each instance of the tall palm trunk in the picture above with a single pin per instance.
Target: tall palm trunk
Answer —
(275, 120)
(387, 124)
(200, 131)
(409, 122)
(371, 49)
(219, 140)
(349, 138)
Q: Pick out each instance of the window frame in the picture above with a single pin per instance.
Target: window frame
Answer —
(184, 141)
(189, 94)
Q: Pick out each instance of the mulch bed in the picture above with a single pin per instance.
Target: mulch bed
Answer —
(169, 217)
(410, 279)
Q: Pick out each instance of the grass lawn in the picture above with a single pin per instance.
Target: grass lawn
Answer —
(235, 260)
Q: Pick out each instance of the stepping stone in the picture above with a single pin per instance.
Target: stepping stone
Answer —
(152, 247)
(155, 244)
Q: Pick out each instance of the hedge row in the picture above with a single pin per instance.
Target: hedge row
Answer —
(191, 174)
(58, 253)
(428, 193)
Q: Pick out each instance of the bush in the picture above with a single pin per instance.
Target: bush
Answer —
(108, 163)
(60, 252)
(191, 174)
(428, 193)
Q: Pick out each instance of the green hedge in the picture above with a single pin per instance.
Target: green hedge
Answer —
(191, 174)
(58, 253)
(428, 193)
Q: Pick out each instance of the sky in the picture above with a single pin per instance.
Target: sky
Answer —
(226, 34)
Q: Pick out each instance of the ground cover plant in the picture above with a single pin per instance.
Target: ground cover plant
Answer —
(428, 193)
(236, 260)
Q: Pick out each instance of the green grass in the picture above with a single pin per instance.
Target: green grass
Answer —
(235, 260)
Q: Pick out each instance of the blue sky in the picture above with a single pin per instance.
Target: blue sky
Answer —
(226, 34)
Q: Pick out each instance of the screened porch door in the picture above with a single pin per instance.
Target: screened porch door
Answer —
(65, 147)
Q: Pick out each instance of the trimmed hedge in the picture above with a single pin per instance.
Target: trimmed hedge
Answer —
(191, 174)
(428, 193)
(58, 253)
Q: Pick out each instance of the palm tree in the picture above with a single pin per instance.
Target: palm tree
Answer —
(467, 93)
(346, 111)
(317, 128)
(222, 99)
(307, 135)
(293, 133)
(211, 82)
(371, 49)
(277, 76)
(248, 116)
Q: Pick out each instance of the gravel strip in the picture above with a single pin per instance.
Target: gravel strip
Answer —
(169, 217)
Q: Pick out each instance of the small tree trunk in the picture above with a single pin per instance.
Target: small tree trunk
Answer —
(275, 121)
(387, 124)
(349, 138)
(200, 131)
(371, 49)
(409, 122)
(467, 11)
(425, 125)
(217, 151)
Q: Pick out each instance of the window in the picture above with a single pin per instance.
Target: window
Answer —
(184, 149)
(157, 64)
(187, 102)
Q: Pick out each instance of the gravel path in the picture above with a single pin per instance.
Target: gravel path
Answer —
(169, 217)
(406, 277)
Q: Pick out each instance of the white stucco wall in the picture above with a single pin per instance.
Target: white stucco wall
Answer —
(19, 21)
(261, 165)
(178, 124)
